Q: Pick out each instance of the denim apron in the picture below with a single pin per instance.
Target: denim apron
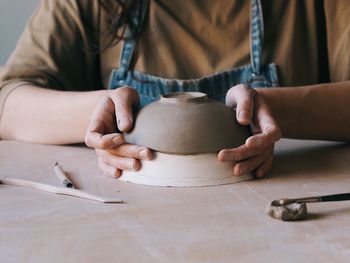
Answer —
(150, 87)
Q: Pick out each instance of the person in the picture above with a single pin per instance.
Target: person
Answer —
(55, 89)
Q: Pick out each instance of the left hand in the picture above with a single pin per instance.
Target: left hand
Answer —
(112, 117)
(256, 155)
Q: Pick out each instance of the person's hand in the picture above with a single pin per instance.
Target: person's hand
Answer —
(112, 116)
(256, 155)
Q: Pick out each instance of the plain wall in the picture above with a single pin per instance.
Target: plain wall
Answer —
(14, 14)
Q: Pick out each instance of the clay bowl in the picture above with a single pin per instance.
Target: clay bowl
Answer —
(187, 123)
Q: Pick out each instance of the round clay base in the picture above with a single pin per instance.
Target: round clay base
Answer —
(184, 171)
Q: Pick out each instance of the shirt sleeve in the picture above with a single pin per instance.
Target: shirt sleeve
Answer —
(338, 39)
(55, 49)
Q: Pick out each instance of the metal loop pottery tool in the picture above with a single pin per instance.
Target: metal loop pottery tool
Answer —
(288, 209)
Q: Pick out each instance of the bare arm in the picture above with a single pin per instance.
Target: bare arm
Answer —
(48, 116)
(312, 112)
(54, 52)
(55, 117)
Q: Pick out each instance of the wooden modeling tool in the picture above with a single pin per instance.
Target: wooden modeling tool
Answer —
(62, 176)
(288, 209)
(58, 190)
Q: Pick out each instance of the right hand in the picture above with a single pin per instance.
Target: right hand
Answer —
(112, 116)
(256, 154)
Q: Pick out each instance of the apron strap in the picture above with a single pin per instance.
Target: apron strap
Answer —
(130, 42)
(256, 36)
(256, 39)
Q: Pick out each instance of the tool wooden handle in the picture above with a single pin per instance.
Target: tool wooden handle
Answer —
(58, 190)
(62, 176)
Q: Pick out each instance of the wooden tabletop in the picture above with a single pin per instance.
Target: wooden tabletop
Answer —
(210, 224)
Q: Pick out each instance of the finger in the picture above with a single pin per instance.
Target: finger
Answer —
(103, 118)
(99, 141)
(249, 165)
(238, 154)
(125, 99)
(270, 131)
(122, 163)
(265, 168)
(132, 151)
(108, 170)
(242, 98)
(267, 137)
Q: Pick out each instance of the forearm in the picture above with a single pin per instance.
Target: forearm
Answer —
(48, 116)
(312, 112)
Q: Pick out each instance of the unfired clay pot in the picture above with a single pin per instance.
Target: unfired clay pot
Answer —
(187, 123)
(186, 131)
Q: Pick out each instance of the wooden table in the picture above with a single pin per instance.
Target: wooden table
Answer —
(212, 224)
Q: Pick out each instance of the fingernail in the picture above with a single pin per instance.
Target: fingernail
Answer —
(239, 170)
(118, 140)
(244, 115)
(116, 174)
(124, 123)
(242, 170)
(236, 170)
(143, 154)
(134, 165)
(255, 143)
(225, 156)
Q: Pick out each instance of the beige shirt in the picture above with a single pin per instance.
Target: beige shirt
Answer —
(309, 40)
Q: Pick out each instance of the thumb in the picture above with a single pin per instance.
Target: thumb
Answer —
(241, 98)
(125, 99)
